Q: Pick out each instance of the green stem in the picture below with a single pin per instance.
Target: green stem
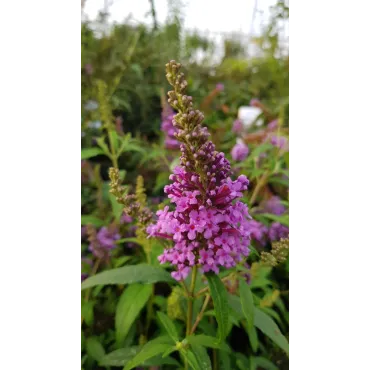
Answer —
(215, 362)
(190, 295)
(149, 313)
(201, 313)
(113, 149)
(260, 184)
(93, 272)
(190, 300)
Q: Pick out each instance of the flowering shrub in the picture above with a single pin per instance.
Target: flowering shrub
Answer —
(185, 225)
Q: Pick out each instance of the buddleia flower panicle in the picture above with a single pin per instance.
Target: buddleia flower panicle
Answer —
(103, 241)
(208, 225)
(135, 207)
(168, 128)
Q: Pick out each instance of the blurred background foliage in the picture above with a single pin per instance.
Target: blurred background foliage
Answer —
(130, 59)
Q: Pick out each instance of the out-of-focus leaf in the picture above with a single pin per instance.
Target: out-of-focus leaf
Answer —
(202, 357)
(120, 261)
(119, 357)
(142, 273)
(265, 323)
(87, 153)
(148, 351)
(242, 361)
(94, 348)
(264, 363)
(207, 341)
(246, 299)
(283, 219)
(220, 302)
(191, 358)
(92, 220)
(100, 141)
(131, 302)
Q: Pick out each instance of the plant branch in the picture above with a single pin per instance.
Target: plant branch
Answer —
(201, 313)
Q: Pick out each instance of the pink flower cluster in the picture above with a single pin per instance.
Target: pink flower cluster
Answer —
(209, 225)
(169, 129)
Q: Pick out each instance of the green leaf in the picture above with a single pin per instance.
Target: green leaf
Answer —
(119, 357)
(142, 273)
(131, 302)
(242, 361)
(202, 357)
(191, 358)
(220, 302)
(100, 141)
(264, 363)
(114, 137)
(117, 208)
(87, 153)
(149, 350)
(128, 240)
(236, 306)
(92, 220)
(120, 261)
(284, 219)
(169, 351)
(207, 341)
(261, 149)
(94, 348)
(272, 313)
(160, 360)
(260, 283)
(169, 326)
(87, 312)
(225, 360)
(265, 323)
(253, 338)
(246, 299)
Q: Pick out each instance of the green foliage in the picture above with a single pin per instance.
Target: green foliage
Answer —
(131, 302)
(169, 326)
(264, 322)
(149, 350)
(246, 299)
(219, 297)
(142, 273)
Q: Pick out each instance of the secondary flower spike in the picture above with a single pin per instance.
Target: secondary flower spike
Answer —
(209, 225)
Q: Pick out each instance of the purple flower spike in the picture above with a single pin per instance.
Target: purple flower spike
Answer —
(239, 152)
(274, 206)
(169, 129)
(207, 224)
(279, 141)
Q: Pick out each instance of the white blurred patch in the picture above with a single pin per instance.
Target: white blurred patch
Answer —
(248, 116)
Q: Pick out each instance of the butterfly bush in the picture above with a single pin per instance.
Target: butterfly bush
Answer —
(279, 141)
(168, 128)
(102, 242)
(274, 206)
(240, 151)
(260, 233)
(208, 226)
